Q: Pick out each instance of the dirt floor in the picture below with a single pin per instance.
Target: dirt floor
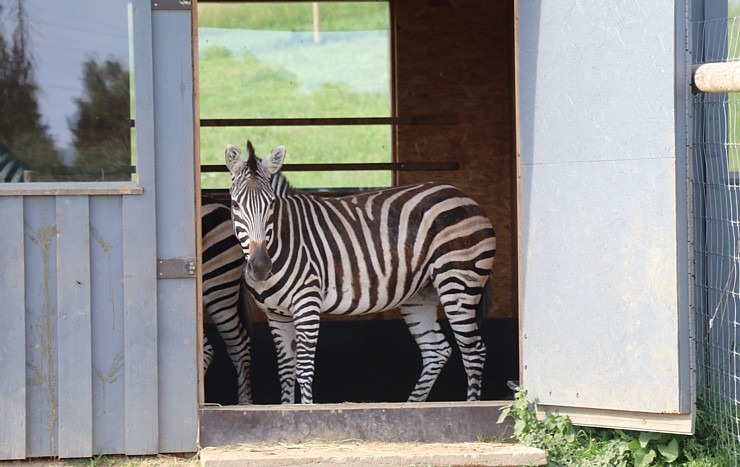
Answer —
(361, 453)
(349, 452)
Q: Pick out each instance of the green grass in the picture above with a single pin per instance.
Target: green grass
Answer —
(358, 16)
(297, 81)
(273, 93)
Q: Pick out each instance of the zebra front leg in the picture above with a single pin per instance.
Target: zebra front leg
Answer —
(283, 335)
(420, 315)
(307, 335)
(306, 320)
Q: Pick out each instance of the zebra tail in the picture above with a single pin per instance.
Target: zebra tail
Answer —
(485, 304)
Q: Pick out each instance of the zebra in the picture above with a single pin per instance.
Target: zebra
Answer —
(360, 254)
(11, 169)
(223, 266)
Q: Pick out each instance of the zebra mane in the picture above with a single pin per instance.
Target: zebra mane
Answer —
(252, 163)
(281, 185)
(278, 182)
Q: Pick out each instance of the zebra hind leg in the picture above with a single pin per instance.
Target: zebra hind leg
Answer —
(207, 353)
(225, 316)
(241, 358)
(420, 315)
(460, 308)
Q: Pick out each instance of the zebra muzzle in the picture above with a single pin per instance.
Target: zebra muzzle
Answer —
(259, 267)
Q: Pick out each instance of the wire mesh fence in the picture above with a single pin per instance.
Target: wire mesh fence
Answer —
(715, 141)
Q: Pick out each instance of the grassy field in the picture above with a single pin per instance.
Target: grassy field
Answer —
(255, 63)
(733, 122)
(294, 16)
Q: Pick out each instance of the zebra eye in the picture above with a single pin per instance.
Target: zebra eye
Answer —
(234, 204)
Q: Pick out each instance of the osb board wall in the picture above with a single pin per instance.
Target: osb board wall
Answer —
(455, 58)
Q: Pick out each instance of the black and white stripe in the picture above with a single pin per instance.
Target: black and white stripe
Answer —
(407, 247)
(11, 169)
(223, 266)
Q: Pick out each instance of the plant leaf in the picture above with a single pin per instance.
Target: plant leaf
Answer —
(634, 445)
(669, 451)
(519, 427)
(646, 437)
(644, 458)
(504, 413)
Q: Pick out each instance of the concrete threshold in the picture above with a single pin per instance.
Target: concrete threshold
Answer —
(358, 453)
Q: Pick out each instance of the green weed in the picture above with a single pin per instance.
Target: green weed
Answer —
(568, 445)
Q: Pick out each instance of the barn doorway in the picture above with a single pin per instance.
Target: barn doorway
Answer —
(432, 99)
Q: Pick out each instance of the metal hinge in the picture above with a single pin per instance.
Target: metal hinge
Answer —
(172, 4)
(176, 268)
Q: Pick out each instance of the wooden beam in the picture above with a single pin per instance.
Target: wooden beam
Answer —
(70, 189)
(679, 423)
(718, 78)
(430, 422)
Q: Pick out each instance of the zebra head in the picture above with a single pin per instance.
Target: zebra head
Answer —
(252, 205)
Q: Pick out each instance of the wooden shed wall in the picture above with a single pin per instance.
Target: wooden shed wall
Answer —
(97, 353)
(455, 58)
(63, 316)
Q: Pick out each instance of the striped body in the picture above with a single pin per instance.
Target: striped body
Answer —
(223, 266)
(11, 169)
(362, 254)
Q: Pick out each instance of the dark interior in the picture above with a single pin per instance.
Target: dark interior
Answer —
(366, 361)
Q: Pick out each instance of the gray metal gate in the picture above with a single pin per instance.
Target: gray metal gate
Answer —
(716, 188)
(98, 355)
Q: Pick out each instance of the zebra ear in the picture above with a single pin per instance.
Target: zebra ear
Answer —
(233, 158)
(274, 160)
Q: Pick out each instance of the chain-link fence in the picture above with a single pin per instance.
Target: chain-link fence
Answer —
(715, 178)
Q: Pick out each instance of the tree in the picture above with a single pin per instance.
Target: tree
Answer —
(102, 128)
(21, 127)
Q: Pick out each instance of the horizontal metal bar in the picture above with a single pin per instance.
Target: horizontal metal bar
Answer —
(331, 121)
(399, 166)
(432, 120)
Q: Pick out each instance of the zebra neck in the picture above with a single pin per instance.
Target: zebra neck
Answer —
(281, 186)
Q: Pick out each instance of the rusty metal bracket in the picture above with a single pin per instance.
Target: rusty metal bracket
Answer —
(176, 268)
(172, 5)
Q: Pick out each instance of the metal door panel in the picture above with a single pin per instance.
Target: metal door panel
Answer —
(603, 228)
(600, 298)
